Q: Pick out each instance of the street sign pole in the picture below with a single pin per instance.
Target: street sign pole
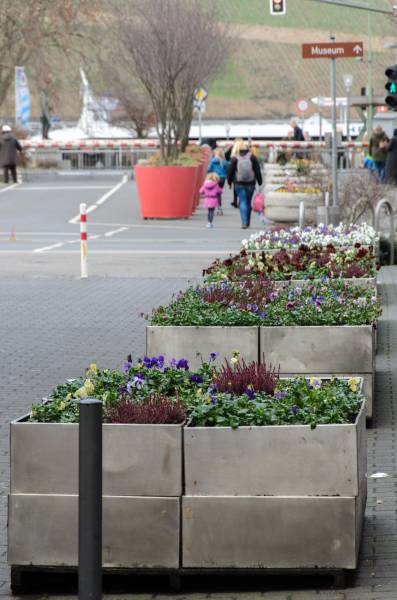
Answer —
(333, 50)
(334, 149)
(200, 123)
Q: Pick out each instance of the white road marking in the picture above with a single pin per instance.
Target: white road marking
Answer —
(139, 252)
(63, 187)
(102, 199)
(110, 233)
(10, 187)
(39, 233)
(45, 248)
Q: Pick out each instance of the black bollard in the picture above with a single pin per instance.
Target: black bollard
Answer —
(90, 500)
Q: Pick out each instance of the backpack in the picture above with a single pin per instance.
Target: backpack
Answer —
(245, 171)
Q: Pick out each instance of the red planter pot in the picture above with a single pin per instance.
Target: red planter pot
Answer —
(165, 192)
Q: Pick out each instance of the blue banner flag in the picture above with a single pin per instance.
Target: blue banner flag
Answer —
(22, 97)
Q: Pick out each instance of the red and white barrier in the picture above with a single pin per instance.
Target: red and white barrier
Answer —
(93, 145)
(83, 240)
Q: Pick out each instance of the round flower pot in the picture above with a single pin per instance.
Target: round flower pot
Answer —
(165, 192)
(283, 207)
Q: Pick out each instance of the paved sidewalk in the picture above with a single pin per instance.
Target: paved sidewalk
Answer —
(50, 329)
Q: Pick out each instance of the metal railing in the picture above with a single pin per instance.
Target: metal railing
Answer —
(386, 204)
(121, 154)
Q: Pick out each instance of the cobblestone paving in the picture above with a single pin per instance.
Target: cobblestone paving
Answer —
(51, 329)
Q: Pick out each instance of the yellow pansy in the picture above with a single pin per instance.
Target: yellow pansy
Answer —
(92, 369)
(354, 383)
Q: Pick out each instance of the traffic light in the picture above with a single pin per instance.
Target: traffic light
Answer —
(278, 7)
(391, 86)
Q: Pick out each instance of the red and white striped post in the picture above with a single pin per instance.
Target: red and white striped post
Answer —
(83, 240)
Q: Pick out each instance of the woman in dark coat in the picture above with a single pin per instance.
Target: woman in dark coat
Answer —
(391, 161)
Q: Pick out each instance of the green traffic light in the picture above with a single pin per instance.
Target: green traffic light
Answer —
(393, 88)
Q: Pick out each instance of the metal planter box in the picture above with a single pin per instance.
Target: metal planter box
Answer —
(142, 485)
(322, 350)
(285, 460)
(271, 532)
(274, 497)
(138, 532)
(196, 343)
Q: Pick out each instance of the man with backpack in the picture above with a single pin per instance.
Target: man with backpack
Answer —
(244, 171)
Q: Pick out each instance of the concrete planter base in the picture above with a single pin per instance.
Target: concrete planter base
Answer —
(283, 207)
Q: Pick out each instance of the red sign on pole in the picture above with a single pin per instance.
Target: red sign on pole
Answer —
(333, 50)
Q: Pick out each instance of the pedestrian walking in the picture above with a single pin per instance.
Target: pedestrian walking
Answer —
(297, 132)
(230, 152)
(9, 146)
(378, 150)
(244, 171)
(210, 190)
(391, 161)
(218, 165)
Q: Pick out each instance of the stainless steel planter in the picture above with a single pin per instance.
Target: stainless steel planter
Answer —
(322, 350)
(130, 466)
(274, 497)
(142, 485)
(196, 343)
(138, 531)
(287, 460)
(270, 533)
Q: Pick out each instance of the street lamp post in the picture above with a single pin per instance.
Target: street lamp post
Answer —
(348, 82)
(320, 104)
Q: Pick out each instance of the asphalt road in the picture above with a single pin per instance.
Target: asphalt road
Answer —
(39, 230)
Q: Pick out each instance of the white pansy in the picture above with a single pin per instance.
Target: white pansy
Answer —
(342, 235)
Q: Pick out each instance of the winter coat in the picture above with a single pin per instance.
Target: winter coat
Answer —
(378, 154)
(298, 134)
(218, 166)
(210, 190)
(232, 170)
(8, 149)
(391, 162)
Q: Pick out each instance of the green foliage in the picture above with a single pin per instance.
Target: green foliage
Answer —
(296, 401)
(331, 302)
(136, 384)
(264, 400)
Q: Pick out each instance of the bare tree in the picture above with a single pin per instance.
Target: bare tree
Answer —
(173, 46)
(138, 111)
(358, 196)
(132, 97)
(33, 32)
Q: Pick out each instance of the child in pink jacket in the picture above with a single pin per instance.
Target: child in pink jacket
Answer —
(211, 191)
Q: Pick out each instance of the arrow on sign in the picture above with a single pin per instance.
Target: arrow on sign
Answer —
(357, 49)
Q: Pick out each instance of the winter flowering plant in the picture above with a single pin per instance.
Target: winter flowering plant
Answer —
(303, 263)
(234, 394)
(296, 401)
(148, 388)
(327, 302)
(342, 235)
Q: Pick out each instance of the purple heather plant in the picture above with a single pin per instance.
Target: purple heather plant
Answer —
(153, 410)
(240, 377)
